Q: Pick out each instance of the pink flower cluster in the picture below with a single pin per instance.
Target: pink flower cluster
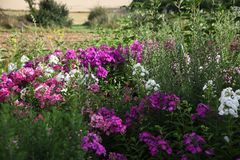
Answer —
(93, 142)
(201, 111)
(106, 121)
(163, 101)
(193, 142)
(48, 92)
(155, 143)
(116, 156)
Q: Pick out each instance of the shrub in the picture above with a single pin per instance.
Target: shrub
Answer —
(98, 16)
(51, 13)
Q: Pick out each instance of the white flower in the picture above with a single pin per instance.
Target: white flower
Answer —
(11, 67)
(229, 102)
(140, 70)
(53, 59)
(208, 84)
(60, 77)
(48, 71)
(152, 85)
(67, 77)
(226, 138)
(24, 59)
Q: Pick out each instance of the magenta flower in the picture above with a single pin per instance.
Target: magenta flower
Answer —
(116, 156)
(106, 121)
(94, 88)
(71, 54)
(137, 49)
(93, 142)
(170, 44)
(102, 72)
(163, 101)
(193, 143)
(4, 93)
(201, 111)
(155, 143)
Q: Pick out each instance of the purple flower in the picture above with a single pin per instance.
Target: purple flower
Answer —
(94, 88)
(134, 113)
(71, 54)
(201, 111)
(163, 101)
(4, 93)
(155, 143)
(193, 142)
(209, 152)
(93, 142)
(107, 121)
(137, 49)
(102, 72)
(170, 44)
(116, 156)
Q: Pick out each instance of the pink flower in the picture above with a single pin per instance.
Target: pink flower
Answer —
(94, 88)
(102, 72)
(4, 93)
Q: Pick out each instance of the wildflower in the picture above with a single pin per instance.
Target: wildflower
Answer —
(53, 59)
(93, 142)
(163, 101)
(155, 143)
(201, 110)
(102, 72)
(94, 88)
(229, 102)
(71, 54)
(48, 72)
(116, 156)
(137, 68)
(226, 138)
(4, 93)
(208, 84)
(193, 142)
(134, 113)
(107, 121)
(170, 44)
(209, 152)
(11, 67)
(137, 49)
(24, 59)
(151, 85)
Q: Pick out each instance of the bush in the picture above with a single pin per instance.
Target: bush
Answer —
(51, 13)
(98, 16)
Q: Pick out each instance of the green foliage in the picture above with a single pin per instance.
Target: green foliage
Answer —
(55, 136)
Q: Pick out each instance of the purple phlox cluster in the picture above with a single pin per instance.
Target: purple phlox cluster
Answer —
(170, 44)
(49, 92)
(107, 121)
(201, 111)
(93, 142)
(102, 72)
(234, 46)
(71, 54)
(15, 80)
(155, 143)
(134, 113)
(193, 143)
(94, 87)
(163, 101)
(116, 156)
(137, 49)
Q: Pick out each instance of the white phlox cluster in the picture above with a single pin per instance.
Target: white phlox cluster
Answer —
(139, 69)
(229, 102)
